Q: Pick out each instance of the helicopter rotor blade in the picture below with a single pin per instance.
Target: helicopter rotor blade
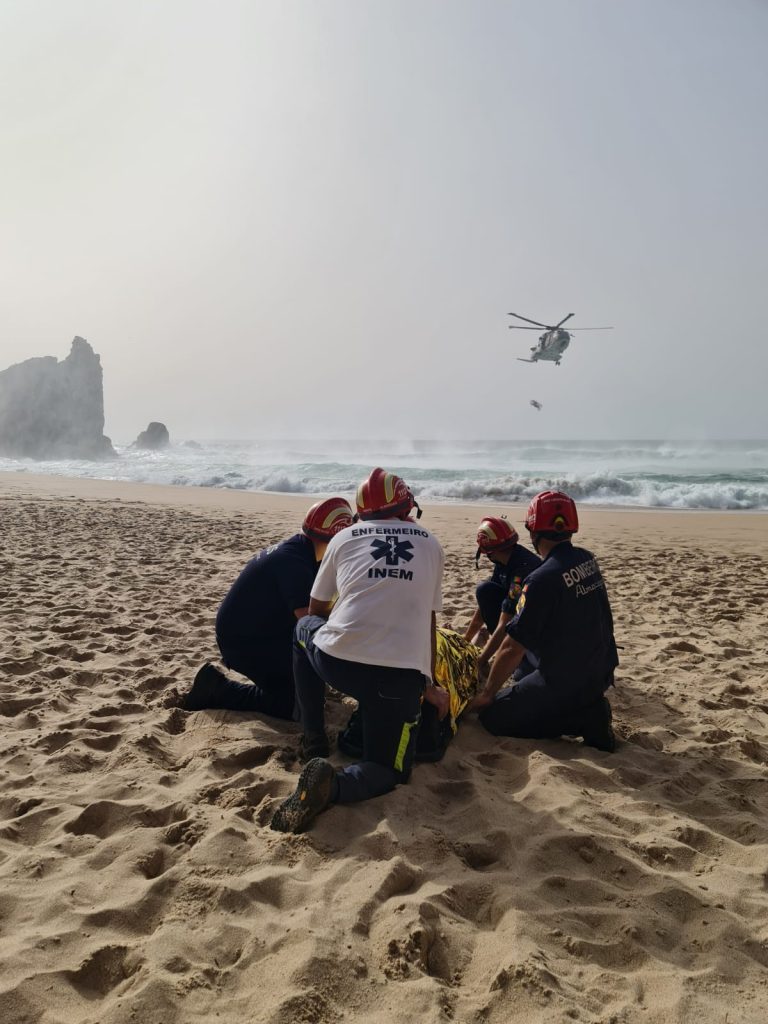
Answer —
(562, 322)
(589, 329)
(532, 321)
(519, 327)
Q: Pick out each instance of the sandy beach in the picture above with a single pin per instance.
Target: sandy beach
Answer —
(515, 881)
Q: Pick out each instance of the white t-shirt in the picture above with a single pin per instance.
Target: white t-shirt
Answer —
(388, 575)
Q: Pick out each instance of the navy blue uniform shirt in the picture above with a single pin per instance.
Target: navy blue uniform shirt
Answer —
(261, 603)
(564, 616)
(521, 564)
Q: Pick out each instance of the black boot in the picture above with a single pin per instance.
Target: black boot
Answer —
(212, 689)
(597, 728)
(313, 746)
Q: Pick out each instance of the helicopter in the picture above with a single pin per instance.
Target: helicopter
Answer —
(553, 342)
(536, 405)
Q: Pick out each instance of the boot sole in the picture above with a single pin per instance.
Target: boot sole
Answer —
(311, 797)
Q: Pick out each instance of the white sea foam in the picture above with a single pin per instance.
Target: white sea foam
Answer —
(713, 475)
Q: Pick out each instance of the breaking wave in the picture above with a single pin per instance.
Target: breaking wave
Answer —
(684, 475)
(711, 492)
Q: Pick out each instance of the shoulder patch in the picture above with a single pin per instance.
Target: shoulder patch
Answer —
(516, 588)
(521, 601)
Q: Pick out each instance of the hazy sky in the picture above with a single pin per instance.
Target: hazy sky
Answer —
(311, 217)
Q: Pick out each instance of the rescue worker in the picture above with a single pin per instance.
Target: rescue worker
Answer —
(254, 625)
(496, 597)
(562, 614)
(375, 643)
(457, 672)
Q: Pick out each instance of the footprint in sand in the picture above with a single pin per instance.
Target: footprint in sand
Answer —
(682, 647)
(120, 710)
(185, 832)
(253, 757)
(105, 817)
(484, 853)
(11, 706)
(102, 971)
(153, 863)
(426, 947)
(101, 742)
(55, 740)
(399, 877)
(20, 667)
(483, 905)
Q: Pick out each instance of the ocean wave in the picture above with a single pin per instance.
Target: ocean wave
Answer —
(619, 477)
(599, 489)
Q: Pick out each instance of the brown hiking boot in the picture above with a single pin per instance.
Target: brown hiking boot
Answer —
(312, 795)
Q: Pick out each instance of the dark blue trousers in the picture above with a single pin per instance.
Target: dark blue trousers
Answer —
(390, 707)
(532, 710)
(272, 692)
(489, 600)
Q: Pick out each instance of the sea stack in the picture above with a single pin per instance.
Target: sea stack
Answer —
(154, 438)
(51, 409)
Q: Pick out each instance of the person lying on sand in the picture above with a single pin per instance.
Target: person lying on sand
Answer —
(564, 615)
(375, 643)
(254, 625)
(457, 672)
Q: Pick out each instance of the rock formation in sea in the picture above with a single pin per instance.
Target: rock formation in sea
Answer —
(51, 409)
(156, 436)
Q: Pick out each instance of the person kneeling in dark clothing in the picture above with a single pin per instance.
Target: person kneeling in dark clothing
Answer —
(456, 671)
(498, 596)
(376, 643)
(564, 615)
(255, 623)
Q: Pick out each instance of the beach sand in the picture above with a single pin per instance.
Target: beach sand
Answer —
(515, 881)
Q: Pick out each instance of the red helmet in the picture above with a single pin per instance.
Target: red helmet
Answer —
(552, 512)
(326, 518)
(494, 534)
(384, 496)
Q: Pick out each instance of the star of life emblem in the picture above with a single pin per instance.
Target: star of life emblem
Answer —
(391, 550)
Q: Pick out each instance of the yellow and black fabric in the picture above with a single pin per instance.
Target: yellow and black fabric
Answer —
(456, 672)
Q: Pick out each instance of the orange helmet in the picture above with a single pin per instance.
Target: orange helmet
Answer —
(552, 512)
(494, 534)
(326, 518)
(385, 496)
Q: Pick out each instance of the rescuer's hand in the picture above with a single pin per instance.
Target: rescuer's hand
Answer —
(439, 698)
